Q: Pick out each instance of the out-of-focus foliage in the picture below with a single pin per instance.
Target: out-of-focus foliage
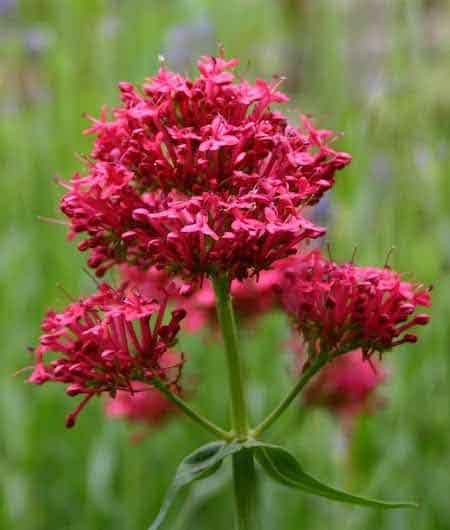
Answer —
(378, 71)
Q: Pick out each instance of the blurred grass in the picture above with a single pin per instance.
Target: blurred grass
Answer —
(378, 71)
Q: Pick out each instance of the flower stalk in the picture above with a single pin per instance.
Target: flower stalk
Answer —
(234, 362)
(190, 412)
(244, 477)
(244, 482)
(312, 369)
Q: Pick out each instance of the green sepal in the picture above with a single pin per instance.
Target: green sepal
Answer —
(284, 468)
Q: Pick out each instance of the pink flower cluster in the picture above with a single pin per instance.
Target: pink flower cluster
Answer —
(199, 177)
(107, 341)
(339, 308)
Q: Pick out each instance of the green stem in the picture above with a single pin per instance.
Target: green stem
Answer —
(190, 412)
(235, 369)
(312, 369)
(244, 481)
(243, 464)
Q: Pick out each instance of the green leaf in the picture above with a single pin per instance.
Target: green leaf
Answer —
(282, 467)
(203, 462)
(200, 493)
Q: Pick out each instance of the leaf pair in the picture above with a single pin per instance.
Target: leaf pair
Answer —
(278, 463)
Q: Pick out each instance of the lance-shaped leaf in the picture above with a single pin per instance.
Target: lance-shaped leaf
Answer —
(282, 467)
(203, 462)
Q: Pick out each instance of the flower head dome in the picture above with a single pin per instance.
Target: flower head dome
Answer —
(199, 177)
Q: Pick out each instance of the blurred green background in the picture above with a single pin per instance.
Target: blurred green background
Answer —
(379, 71)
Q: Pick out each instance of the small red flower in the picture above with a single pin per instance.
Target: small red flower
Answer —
(339, 308)
(106, 342)
(199, 177)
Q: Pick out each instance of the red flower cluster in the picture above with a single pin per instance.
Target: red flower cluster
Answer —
(251, 297)
(346, 386)
(107, 342)
(199, 176)
(339, 308)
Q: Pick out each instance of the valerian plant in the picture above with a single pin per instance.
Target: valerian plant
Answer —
(203, 186)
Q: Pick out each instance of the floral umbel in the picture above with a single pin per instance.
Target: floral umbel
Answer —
(339, 308)
(109, 341)
(199, 177)
(200, 192)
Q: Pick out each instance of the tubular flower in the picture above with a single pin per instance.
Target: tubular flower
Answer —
(251, 297)
(199, 176)
(107, 341)
(339, 308)
(145, 405)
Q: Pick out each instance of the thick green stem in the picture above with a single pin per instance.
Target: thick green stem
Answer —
(312, 369)
(190, 412)
(235, 369)
(244, 480)
(243, 464)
